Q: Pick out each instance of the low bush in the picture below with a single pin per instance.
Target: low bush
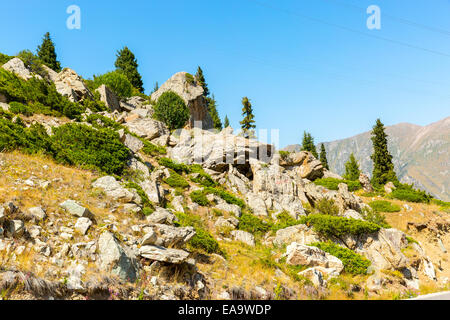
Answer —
(408, 193)
(202, 178)
(199, 197)
(152, 149)
(98, 121)
(353, 262)
(116, 81)
(338, 226)
(171, 110)
(19, 108)
(4, 58)
(373, 216)
(253, 224)
(176, 181)
(384, 206)
(284, 220)
(228, 197)
(145, 200)
(333, 184)
(327, 206)
(177, 167)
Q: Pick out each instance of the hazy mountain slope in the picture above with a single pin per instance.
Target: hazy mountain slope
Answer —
(421, 154)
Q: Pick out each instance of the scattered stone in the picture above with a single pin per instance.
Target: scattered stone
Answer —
(365, 182)
(162, 216)
(83, 225)
(37, 213)
(113, 189)
(298, 254)
(75, 209)
(243, 236)
(175, 256)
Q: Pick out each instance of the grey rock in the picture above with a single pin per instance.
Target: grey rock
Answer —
(75, 209)
(175, 256)
(83, 225)
(109, 98)
(162, 216)
(243, 236)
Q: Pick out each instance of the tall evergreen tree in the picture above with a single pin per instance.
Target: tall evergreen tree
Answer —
(323, 157)
(126, 62)
(248, 123)
(226, 122)
(212, 108)
(156, 87)
(200, 79)
(383, 167)
(47, 54)
(352, 171)
(308, 144)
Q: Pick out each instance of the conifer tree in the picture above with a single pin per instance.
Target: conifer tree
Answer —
(156, 87)
(323, 157)
(383, 167)
(352, 171)
(308, 144)
(226, 122)
(248, 123)
(212, 108)
(47, 54)
(200, 79)
(127, 64)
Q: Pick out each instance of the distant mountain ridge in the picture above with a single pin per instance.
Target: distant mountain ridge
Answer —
(421, 154)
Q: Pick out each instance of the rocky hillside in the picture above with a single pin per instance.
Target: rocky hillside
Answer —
(101, 201)
(420, 154)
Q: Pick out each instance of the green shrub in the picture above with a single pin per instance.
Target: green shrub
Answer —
(146, 211)
(4, 58)
(171, 110)
(373, 216)
(145, 200)
(353, 262)
(408, 193)
(203, 178)
(19, 108)
(384, 206)
(116, 81)
(199, 197)
(93, 148)
(333, 184)
(152, 149)
(327, 206)
(177, 167)
(283, 154)
(32, 62)
(98, 121)
(338, 226)
(203, 240)
(176, 181)
(228, 197)
(284, 220)
(190, 78)
(445, 206)
(253, 224)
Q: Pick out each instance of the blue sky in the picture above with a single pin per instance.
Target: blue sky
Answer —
(306, 65)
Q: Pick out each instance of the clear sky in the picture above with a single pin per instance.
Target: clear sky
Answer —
(306, 65)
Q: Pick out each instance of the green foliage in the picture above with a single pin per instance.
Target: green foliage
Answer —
(333, 184)
(308, 144)
(445, 206)
(4, 58)
(284, 154)
(140, 192)
(99, 121)
(203, 240)
(47, 54)
(352, 171)
(93, 148)
(199, 197)
(116, 81)
(353, 262)
(228, 197)
(202, 178)
(32, 62)
(406, 192)
(323, 157)
(176, 181)
(252, 224)
(373, 216)
(383, 167)
(200, 79)
(19, 108)
(284, 220)
(178, 167)
(338, 226)
(126, 63)
(226, 122)
(248, 123)
(327, 206)
(190, 79)
(171, 110)
(212, 109)
(152, 149)
(384, 206)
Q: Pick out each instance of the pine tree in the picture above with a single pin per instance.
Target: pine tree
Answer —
(248, 123)
(323, 157)
(47, 54)
(200, 79)
(352, 171)
(383, 167)
(156, 87)
(212, 108)
(127, 64)
(308, 144)
(226, 122)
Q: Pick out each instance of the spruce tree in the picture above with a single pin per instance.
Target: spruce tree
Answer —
(226, 122)
(323, 157)
(47, 54)
(248, 123)
(352, 171)
(127, 64)
(200, 79)
(212, 108)
(308, 144)
(383, 167)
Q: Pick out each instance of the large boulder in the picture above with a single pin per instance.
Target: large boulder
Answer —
(109, 98)
(76, 209)
(301, 234)
(298, 254)
(69, 84)
(113, 189)
(147, 128)
(16, 66)
(117, 259)
(157, 253)
(365, 182)
(192, 94)
(304, 163)
(243, 236)
(169, 236)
